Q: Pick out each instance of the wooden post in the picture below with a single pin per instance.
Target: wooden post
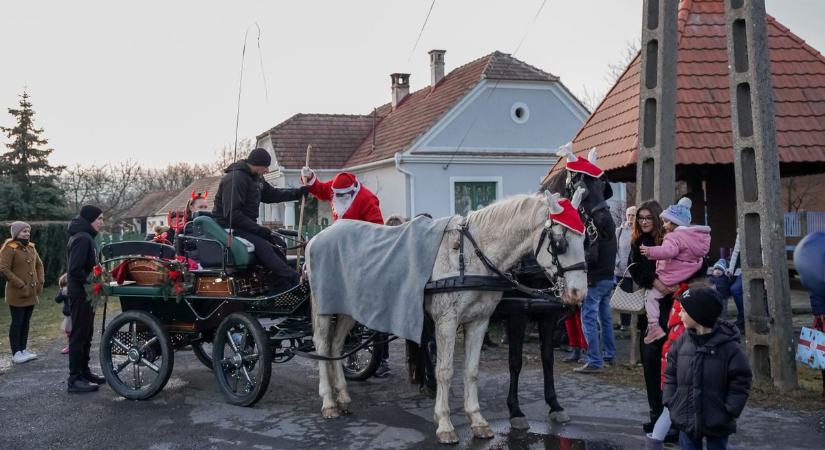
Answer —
(301, 215)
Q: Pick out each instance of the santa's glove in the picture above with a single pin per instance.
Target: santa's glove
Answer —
(307, 176)
(304, 190)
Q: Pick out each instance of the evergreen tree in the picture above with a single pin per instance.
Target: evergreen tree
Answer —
(28, 183)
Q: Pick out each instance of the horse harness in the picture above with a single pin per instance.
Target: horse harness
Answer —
(505, 281)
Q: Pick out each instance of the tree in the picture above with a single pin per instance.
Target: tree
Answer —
(28, 182)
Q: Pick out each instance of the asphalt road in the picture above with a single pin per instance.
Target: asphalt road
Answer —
(389, 413)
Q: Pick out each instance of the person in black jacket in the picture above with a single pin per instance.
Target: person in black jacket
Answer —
(708, 378)
(82, 257)
(239, 197)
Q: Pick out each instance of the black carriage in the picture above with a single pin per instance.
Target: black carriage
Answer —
(224, 311)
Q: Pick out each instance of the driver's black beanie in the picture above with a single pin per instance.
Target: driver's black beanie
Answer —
(259, 157)
(90, 213)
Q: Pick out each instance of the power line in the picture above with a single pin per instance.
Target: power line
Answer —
(421, 31)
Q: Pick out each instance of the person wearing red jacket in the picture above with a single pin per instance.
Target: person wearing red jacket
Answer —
(349, 198)
(655, 439)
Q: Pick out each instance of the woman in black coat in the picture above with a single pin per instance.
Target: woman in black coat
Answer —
(648, 230)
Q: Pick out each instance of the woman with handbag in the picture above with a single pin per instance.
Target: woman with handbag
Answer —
(648, 230)
(624, 233)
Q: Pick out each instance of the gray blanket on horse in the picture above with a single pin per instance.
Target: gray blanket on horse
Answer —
(374, 273)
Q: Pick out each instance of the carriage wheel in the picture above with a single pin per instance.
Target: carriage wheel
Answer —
(242, 359)
(203, 351)
(363, 364)
(136, 355)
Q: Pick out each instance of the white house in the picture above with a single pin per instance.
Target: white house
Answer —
(486, 130)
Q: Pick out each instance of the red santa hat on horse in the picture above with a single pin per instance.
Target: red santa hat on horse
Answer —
(350, 199)
(580, 165)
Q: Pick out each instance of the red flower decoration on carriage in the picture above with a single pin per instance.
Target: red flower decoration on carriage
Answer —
(97, 271)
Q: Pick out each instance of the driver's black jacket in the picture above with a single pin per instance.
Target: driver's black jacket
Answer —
(601, 255)
(240, 195)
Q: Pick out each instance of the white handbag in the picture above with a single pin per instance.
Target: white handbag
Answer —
(630, 302)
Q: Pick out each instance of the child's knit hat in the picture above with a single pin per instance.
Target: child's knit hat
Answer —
(702, 305)
(678, 213)
(721, 265)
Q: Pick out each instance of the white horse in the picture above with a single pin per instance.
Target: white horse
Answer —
(505, 232)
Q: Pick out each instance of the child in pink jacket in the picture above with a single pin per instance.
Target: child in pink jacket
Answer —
(679, 257)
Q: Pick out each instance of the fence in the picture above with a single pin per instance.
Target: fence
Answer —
(799, 224)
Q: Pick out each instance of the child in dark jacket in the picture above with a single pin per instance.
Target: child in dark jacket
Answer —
(61, 297)
(708, 378)
(720, 280)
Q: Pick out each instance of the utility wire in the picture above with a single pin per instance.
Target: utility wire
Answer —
(490, 93)
(421, 31)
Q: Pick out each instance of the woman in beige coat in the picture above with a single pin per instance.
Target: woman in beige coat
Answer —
(23, 270)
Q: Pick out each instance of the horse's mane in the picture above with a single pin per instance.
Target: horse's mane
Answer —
(526, 206)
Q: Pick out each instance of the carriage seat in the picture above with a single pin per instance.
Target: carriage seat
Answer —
(210, 254)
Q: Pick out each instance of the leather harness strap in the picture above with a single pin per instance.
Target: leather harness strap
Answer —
(501, 281)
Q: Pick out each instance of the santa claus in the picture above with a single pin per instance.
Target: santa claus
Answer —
(349, 198)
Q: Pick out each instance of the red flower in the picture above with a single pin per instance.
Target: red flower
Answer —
(173, 274)
(178, 287)
(97, 288)
(97, 271)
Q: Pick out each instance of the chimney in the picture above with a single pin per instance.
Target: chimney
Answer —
(436, 66)
(400, 87)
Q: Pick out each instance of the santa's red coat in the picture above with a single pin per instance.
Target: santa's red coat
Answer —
(365, 205)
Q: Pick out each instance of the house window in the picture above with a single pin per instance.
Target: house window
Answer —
(473, 195)
(519, 112)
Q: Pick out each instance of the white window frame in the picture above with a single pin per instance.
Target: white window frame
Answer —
(453, 180)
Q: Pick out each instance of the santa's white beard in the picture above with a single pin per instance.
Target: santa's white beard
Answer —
(342, 204)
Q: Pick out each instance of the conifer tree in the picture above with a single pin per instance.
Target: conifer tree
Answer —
(28, 183)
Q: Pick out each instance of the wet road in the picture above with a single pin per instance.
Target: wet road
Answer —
(389, 413)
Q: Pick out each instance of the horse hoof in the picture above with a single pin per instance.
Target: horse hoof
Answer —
(330, 412)
(519, 423)
(483, 432)
(559, 417)
(447, 437)
(343, 408)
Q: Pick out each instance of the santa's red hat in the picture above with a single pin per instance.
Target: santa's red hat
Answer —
(566, 215)
(580, 165)
(344, 182)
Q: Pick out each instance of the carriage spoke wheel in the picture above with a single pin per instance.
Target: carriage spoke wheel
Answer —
(242, 361)
(136, 355)
(362, 364)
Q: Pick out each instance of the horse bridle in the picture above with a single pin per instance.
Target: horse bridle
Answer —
(557, 246)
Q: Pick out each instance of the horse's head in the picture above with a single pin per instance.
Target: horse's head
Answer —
(596, 188)
(560, 247)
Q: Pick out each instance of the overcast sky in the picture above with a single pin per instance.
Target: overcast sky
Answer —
(158, 81)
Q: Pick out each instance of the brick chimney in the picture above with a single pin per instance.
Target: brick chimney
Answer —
(436, 66)
(400, 87)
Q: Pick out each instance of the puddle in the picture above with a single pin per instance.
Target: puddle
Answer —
(539, 436)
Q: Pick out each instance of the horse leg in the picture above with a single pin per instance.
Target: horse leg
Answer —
(343, 325)
(547, 327)
(445, 328)
(321, 337)
(516, 328)
(473, 340)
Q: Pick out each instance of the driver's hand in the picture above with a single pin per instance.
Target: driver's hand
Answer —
(307, 175)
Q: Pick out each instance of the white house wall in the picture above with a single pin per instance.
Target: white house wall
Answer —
(483, 121)
(433, 184)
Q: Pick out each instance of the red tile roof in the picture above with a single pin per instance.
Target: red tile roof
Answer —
(333, 137)
(344, 141)
(703, 124)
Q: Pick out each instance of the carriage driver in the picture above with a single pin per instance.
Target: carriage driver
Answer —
(350, 199)
(239, 196)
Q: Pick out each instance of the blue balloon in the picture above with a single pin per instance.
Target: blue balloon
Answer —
(809, 259)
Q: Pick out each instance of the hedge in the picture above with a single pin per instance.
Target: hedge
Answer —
(51, 238)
